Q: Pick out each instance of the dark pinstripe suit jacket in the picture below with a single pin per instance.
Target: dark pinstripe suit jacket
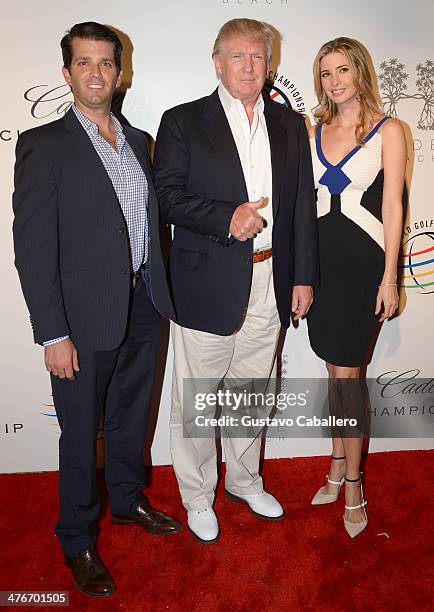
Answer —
(70, 236)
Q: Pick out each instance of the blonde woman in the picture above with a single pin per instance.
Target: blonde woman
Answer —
(359, 158)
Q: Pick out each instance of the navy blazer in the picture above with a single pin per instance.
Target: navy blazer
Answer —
(199, 182)
(70, 236)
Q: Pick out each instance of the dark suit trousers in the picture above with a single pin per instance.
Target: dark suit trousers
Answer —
(118, 384)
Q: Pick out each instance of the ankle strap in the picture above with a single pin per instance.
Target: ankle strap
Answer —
(338, 458)
(363, 502)
(336, 482)
(361, 505)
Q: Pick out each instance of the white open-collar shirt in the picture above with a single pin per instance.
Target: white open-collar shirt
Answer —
(253, 148)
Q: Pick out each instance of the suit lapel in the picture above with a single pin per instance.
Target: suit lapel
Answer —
(88, 156)
(216, 127)
(219, 133)
(137, 148)
(144, 161)
(278, 148)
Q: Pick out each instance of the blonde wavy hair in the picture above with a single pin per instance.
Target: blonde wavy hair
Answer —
(365, 80)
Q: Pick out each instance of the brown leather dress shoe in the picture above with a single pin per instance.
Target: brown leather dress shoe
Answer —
(152, 521)
(90, 575)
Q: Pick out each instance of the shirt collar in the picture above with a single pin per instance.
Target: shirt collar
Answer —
(92, 127)
(228, 100)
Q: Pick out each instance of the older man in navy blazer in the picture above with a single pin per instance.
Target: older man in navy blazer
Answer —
(87, 250)
(233, 174)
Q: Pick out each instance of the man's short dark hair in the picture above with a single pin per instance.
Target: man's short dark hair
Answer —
(91, 31)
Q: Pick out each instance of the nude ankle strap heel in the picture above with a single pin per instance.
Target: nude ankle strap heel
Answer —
(320, 497)
(354, 529)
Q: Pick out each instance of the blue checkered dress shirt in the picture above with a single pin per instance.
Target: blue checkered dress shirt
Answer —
(130, 185)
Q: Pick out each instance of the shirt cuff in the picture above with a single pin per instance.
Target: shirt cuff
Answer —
(55, 341)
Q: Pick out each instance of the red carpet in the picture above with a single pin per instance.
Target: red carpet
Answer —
(305, 562)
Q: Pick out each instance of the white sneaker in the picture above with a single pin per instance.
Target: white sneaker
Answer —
(261, 504)
(203, 525)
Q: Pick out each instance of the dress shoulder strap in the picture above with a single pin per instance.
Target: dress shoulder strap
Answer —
(375, 129)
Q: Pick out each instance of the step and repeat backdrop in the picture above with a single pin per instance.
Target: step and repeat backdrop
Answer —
(167, 61)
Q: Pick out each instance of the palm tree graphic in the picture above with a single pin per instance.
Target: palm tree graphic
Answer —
(394, 83)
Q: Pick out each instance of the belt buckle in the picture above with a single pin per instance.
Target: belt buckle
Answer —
(135, 279)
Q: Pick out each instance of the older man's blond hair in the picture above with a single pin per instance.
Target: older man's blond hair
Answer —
(258, 30)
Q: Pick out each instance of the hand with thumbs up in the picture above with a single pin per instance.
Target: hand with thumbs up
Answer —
(246, 222)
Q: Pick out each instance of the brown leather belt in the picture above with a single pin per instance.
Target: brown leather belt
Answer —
(262, 255)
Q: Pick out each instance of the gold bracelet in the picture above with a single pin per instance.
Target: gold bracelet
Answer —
(388, 285)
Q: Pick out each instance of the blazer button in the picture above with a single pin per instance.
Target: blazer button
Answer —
(121, 230)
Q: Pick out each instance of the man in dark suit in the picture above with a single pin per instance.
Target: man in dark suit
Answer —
(233, 174)
(88, 255)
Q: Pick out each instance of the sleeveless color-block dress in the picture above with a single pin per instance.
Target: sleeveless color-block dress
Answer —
(341, 320)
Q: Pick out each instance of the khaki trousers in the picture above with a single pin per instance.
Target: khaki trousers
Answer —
(249, 353)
